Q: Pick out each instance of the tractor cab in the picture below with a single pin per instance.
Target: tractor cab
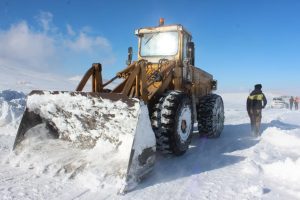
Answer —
(170, 42)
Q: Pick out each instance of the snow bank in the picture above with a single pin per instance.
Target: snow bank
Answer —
(291, 117)
(277, 158)
(281, 150)
(12, 106)
(274, 159)
(287, 171)
(289, 139)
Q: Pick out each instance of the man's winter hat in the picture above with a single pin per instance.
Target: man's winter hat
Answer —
(258, 86)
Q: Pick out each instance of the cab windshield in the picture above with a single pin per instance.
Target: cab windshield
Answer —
(159, 44)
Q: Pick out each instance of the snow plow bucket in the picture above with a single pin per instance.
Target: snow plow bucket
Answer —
(88, 119)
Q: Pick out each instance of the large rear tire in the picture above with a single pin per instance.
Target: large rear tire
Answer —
(211, 116)
(172, 122)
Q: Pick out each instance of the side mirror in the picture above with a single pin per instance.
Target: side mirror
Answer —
(191, 52)
(214, 84)
(129, 59)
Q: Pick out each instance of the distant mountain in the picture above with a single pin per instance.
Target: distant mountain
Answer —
(25, 80)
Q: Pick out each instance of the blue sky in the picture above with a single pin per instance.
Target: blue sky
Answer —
(240, 42)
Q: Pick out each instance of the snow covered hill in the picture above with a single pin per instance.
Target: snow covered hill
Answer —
(235, 166)
(12, 105)
(27, 80)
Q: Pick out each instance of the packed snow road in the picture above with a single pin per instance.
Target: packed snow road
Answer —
(234, 166)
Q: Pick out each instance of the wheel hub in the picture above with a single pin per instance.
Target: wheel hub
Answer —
(183, 126)
(185, 123)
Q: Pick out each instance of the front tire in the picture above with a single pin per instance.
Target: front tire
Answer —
(211, 116)
(172, 122)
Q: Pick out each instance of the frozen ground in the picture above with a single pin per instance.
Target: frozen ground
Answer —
(235, 166)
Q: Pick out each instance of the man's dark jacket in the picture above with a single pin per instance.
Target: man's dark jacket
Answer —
(256, 100)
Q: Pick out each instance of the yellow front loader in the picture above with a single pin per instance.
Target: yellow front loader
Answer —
(153, 107)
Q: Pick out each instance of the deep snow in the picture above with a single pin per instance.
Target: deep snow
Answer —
(235, 166)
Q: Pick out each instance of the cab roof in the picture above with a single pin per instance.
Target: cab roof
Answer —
(164, 28)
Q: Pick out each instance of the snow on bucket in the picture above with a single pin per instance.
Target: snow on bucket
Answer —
(108, 135)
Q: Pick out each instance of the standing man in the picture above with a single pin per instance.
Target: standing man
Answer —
(291, 102)
(297, 100)
(256, 101)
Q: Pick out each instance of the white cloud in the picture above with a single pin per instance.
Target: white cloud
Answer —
(23, 45)
(45, 21)
(86, 29)
(70, 30)
(86, 43)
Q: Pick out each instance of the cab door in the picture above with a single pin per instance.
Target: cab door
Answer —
(186, 70)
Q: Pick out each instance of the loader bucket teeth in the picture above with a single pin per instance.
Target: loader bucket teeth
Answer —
(89, 120)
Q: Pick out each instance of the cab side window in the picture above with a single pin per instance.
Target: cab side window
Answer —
(186, 39)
